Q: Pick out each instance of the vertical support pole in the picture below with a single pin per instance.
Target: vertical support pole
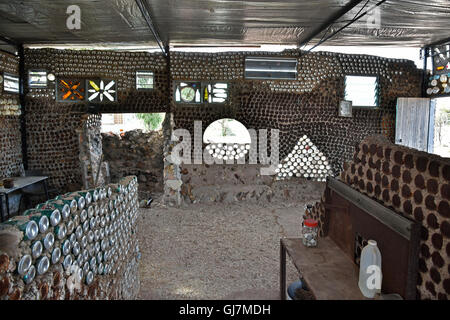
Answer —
(424, 75)
(169, 82)
(1, 208)
(23, 125)
(282, 271)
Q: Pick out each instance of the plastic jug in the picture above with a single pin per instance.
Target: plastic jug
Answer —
(370, 276)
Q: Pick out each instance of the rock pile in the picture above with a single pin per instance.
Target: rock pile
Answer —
(136, 153)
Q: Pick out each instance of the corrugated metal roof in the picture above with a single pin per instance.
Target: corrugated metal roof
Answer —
(222, 22)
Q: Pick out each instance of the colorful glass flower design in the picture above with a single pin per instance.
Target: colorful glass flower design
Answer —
(102, 90)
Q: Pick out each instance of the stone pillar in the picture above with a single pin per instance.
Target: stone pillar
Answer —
(90, 146)
(172, 172)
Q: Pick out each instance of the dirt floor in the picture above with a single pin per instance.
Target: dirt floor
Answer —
(221, 250)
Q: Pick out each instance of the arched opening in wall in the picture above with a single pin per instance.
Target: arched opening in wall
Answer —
(133, 145)
(305, 160)
(227, 139)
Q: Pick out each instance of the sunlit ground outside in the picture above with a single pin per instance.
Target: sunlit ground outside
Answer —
(442, 127)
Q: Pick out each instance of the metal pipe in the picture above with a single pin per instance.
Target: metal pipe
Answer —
(9, 41)
(8, 52)
(424, 75)
(347, 24)
(349, 6)
(169, 82)
(23, 125)
(146, 14)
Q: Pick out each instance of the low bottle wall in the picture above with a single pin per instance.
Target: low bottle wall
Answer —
(94, 253)
(416, 185)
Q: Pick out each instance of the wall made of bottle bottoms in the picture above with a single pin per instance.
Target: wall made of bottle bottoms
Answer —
(52, 127)
(416, 185)
(307, 106)
(10, 136)
(103, 64)
(80, 245)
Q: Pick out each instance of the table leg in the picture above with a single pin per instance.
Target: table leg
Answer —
(46, 190)
(1, 208)
(282, 271)
(7, 205)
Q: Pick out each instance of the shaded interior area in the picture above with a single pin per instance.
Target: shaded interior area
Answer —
(206, 149)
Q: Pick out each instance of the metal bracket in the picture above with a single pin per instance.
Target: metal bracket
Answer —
(143, 6)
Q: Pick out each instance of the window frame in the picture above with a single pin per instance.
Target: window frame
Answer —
(378, 90)
(4, 80)
(29, 78)
(136, 80)
(268, 58)
(118, 117)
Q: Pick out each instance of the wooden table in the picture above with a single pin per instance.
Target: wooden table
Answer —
(326, 270)
(20, 183)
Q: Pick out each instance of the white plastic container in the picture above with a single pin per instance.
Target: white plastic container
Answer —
(370, 275)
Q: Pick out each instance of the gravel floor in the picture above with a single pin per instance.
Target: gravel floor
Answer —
(217, 250)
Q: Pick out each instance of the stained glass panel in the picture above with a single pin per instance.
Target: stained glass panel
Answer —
(70, 90)
(216, 92)
(101, 90)
(188, 92)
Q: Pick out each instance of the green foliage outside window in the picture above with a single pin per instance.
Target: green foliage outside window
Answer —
(152, 121)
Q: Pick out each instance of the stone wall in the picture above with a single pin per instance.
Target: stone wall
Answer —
(10, 135)
(94, 255)
(91, 152)
(136, 153)
(416, 185)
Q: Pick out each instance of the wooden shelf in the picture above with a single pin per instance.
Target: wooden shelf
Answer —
(327, 271)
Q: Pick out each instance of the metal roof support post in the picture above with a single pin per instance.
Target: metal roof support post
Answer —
(169, 81)
(426, 53)
(142, 4)
(23, 125)
(349, 6)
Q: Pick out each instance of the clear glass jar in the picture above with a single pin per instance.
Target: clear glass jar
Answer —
(310, 232)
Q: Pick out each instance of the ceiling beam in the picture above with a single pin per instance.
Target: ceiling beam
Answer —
(332, 19)
(143, 6)
(437, 43)
(9, 41)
